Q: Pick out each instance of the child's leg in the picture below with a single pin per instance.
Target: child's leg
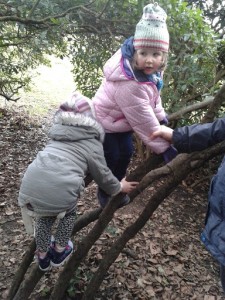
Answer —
(111, 153)
(118, 149)
(63, 248)
(111, 150)
(64, 230)
(43, 227)
(126, 150)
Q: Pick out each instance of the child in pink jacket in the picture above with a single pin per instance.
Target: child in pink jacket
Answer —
(128, 99)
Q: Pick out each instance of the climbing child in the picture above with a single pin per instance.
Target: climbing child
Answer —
(128, 99)
(54, 181)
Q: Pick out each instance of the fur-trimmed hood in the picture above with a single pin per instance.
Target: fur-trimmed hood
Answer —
(54, 181)
(84, 125)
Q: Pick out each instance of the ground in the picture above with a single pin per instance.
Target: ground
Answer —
(165, 260)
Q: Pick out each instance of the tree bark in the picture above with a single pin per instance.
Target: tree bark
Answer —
(20, 273)
(28, 286)
(172, 173)
(214, 107)
(147, 173)
(29, 283)
(105, 217)
(175, 172)
(22, 290)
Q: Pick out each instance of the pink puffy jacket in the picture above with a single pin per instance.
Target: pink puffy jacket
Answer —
(123, 104)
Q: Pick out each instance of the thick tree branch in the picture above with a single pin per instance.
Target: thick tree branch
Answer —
(29, 284)
(24, 291)
(176, 171)
(18, 292)
(105, 217)
(84, 246)
(20, 273)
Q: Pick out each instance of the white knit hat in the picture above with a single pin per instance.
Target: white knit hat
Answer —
(151, 30)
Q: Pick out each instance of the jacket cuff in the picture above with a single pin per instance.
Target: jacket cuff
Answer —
(170, 154)
(164, 121)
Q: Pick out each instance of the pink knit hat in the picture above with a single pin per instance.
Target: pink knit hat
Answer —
(151, 30)
(78, 104)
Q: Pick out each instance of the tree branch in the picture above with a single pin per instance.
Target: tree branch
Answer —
(33, 8)
(196, 106)
(215, 105)
(44, 20)
(176, 171)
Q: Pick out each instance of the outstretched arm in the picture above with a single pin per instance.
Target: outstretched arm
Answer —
(195, 137)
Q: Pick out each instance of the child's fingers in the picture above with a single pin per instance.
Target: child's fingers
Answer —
(134, 183)
(128, 186)
(156, 134)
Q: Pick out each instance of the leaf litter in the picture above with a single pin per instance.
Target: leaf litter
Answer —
(165, 260)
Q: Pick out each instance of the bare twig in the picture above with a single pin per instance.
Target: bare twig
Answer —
(33, 8)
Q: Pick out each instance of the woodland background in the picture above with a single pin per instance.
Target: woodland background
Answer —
(165, 260)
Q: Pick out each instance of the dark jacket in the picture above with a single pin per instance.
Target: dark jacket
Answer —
(196, 138)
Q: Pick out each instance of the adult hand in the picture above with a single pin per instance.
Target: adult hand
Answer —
(165, 132)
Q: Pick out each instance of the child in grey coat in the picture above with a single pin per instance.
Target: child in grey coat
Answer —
(54, 181)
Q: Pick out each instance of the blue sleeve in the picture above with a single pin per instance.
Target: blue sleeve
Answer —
(199, 136)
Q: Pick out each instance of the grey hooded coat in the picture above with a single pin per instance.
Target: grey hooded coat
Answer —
(53, 182)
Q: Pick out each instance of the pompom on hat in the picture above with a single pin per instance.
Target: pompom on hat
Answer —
(151, 31)
(80, 104)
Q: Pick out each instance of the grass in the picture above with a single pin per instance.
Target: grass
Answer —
(50, 86)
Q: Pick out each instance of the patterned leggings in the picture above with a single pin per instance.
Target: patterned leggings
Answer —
(43, 231)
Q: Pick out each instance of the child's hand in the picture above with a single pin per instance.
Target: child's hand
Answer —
(164, 132)
(127, 187)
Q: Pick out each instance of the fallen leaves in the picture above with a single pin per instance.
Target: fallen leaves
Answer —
(165, 260)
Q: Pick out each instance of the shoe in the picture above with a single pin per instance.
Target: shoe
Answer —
(124, 201)
(44, 263)
(59, 258)
(103, 198)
